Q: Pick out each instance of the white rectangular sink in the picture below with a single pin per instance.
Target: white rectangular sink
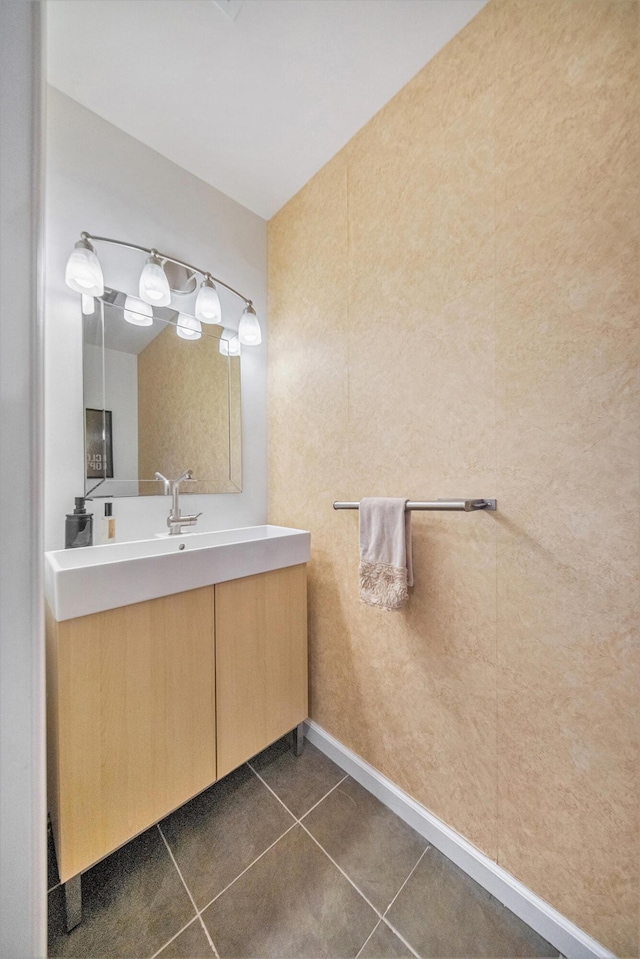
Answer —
(89, 580)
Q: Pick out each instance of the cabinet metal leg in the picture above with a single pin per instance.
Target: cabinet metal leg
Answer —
(73, 901)
(298, 739)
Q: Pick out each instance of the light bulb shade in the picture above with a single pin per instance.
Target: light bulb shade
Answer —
(88, 304)
(249, 331)
(154, 285)
(188, 327)
(208, 302)
(84, 273)
(229, 343)
(137, 312)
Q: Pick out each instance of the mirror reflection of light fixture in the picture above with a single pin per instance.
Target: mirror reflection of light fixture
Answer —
(138, 312)
(154, 285)
(208, 302)
(229, 343)
(188, 327)
(88, 304)
(84, 275)
(249, 331)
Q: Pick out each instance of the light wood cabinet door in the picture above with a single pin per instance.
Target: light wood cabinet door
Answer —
(131, 720)
(261, 662)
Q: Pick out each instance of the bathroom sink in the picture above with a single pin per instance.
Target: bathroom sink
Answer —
(95, 578)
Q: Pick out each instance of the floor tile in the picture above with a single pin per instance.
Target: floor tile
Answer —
(220, 832)
(299, 781)
(376, 849)
(384, 944)
(292, 903)
(190, 944)
(132, 903)
(442, 912)
(52, 863)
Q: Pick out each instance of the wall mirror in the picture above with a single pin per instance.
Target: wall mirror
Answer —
(158, 397)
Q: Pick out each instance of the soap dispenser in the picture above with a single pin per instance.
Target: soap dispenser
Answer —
(78, 528)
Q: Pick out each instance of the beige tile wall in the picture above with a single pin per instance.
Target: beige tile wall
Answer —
(453, 312)
(189, 411)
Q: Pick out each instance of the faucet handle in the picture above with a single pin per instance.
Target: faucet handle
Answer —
(186, 519)
(187, 475)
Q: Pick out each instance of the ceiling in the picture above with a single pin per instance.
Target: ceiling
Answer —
(252, 96)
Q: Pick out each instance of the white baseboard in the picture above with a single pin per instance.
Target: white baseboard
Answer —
(567, 938)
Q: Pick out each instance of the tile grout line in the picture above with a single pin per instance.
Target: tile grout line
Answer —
(420, 858)
(193, 902)
(173, 860)
(315, 805)
(178, 933)
(359, 952)
(246, 869)
(266, 784)
(386, 921)
(282, 803)
(263, 853)
(381, 916)
(299, 822)
(400, 937)
(339, 868)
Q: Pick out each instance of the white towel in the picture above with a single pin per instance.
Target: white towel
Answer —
(386, 566)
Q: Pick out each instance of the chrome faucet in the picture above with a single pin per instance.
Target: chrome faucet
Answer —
(176, 520)
(166, 482)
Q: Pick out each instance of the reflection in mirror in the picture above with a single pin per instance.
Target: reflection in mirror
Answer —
(159, 396)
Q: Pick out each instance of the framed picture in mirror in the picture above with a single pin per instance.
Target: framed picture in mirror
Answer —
(98, 444)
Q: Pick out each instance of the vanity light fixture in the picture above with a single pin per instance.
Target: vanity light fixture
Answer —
(137, 312)
(229, 343)
(208, 302)
(84, 275)
(249, 329)
(188, 328)
(154, 285)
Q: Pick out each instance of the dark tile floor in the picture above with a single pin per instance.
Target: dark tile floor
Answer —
(285, 857)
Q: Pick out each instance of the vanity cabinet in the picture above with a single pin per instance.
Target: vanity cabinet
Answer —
(149, 704)
(131, 720)
(261, 660)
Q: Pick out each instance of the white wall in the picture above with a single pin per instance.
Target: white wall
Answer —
(103, 181)
(22, 761)
(120, 388)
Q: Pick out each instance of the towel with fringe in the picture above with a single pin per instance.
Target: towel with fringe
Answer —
(386, 566)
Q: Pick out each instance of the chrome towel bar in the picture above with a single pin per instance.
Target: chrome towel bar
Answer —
(461, 505)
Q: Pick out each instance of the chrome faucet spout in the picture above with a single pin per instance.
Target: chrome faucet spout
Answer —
(167, 483)
(176, 520)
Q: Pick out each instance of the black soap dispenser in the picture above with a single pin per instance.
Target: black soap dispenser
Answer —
(78, 528)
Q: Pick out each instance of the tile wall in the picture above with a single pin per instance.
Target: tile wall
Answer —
(453, 309)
